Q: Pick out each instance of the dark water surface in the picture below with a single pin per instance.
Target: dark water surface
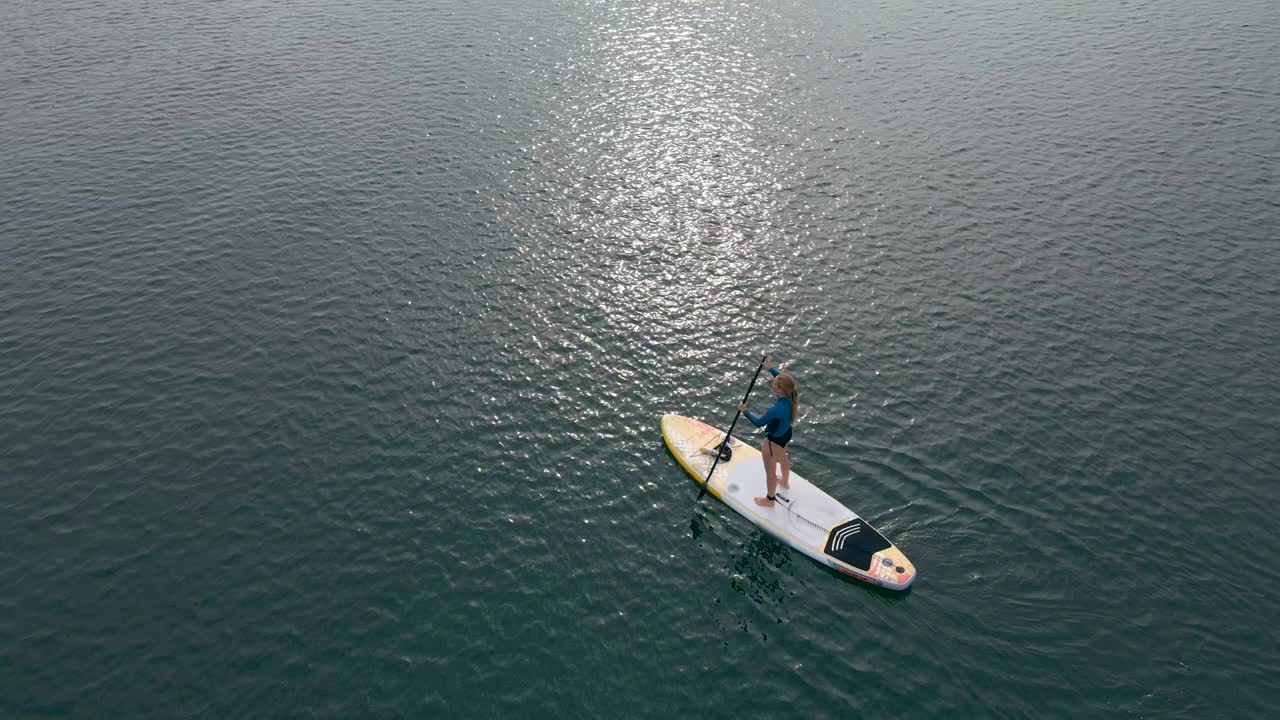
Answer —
(333, 339)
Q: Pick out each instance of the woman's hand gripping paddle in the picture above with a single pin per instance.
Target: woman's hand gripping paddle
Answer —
(724, 451)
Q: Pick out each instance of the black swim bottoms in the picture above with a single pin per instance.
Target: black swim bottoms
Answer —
(781, 440)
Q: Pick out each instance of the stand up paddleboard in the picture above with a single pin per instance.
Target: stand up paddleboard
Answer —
(804, 517)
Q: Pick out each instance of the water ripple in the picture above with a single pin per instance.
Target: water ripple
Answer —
(335, 339)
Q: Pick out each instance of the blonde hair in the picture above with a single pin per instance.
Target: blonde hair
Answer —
(787, 385)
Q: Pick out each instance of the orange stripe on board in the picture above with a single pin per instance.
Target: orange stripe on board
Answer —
(854, 574)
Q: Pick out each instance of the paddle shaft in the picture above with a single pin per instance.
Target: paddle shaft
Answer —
(729, 434)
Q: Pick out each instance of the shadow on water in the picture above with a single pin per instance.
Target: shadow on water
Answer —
(759, 571)
(755, 573)
(756, 569)
(698, 524)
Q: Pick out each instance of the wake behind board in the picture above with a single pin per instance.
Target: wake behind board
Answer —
(804, 517)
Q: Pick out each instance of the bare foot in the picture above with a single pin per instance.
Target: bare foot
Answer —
(784, 482)
(764, 501)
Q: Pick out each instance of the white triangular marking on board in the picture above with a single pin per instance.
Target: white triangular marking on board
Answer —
(844, 535)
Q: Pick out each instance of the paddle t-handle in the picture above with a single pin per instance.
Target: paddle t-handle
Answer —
(723, 451)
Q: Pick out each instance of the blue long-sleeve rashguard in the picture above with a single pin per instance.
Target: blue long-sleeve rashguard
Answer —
(777, 419)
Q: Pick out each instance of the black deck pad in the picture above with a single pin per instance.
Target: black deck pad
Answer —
(855, 542)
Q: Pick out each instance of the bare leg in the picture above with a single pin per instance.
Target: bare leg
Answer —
(781, 454)
(770, 480)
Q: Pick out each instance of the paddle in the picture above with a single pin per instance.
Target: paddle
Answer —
(724, 451)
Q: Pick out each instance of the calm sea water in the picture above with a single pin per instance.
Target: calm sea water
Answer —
(334, 336)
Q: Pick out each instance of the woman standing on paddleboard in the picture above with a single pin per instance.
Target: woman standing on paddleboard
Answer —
(777, 422)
